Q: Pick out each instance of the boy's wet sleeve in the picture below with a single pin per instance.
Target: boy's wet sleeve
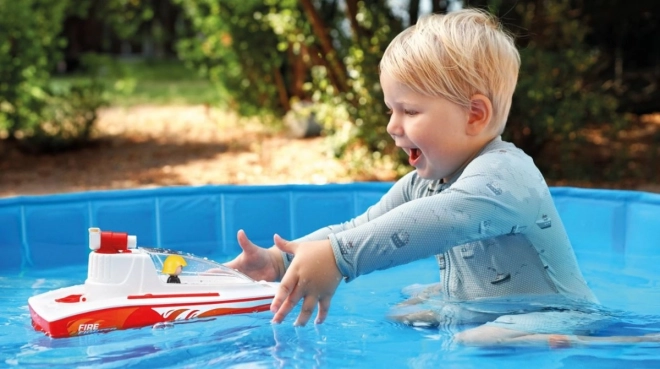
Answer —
(395, 196)
(474, 208)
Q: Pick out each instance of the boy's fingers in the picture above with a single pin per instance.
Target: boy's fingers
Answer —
(306, 310)
(282, 293)
(285, 308)
(245, 245)
(284, 245)
(243, 241)
(324, 307)
(287, 296)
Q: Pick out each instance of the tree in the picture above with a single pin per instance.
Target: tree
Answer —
(627, 34)
(31, 112)
(298, 50)
(29, 50)
(558, 92)
(235, 45)
(270, 53)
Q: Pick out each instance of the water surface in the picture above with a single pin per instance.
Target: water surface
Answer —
(356, 333)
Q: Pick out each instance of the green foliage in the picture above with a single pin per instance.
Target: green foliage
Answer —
(28, 50)
(40, 118)
(262, 56)
(363, 101)
(67, 119)
(235, 47)
(127, 17)
(243, 46)
(558, 93)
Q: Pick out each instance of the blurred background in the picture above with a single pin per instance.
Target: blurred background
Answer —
(142, 93)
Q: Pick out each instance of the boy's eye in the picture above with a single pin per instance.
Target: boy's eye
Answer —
(410, 112)
(389, 111)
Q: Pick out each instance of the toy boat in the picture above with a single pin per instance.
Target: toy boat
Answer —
(131, 287)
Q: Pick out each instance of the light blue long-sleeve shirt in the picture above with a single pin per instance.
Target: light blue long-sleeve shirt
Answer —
(493, 228)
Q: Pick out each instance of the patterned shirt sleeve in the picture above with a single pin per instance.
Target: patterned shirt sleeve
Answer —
(397, 195)
(496, 194)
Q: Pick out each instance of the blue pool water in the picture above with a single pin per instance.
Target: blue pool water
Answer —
(357, 333)
(614, 234)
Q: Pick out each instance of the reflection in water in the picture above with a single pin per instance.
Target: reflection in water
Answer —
(544, 320)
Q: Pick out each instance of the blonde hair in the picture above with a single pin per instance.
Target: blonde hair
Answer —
(456, 56)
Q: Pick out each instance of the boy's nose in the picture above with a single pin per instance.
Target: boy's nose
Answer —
(394, 128)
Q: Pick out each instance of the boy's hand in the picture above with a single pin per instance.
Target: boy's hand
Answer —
(312, 276)
(257, 262)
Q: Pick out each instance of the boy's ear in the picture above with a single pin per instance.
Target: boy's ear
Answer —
(480, 115)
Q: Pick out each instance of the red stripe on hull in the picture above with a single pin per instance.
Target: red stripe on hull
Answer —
(213, 302)
(170, 296)
(130, 317)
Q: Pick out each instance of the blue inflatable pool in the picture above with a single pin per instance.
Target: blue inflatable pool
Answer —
(44, 243)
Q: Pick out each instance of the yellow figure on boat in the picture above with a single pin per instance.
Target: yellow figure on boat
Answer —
(173, 266)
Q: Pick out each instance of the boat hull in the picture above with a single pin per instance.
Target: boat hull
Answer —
(74, 316)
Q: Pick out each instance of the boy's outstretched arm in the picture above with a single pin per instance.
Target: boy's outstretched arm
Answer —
(257, 262)
(312, 276)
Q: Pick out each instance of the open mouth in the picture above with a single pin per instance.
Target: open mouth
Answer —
(415, 154)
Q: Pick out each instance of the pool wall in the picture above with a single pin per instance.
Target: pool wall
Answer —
(38, 232)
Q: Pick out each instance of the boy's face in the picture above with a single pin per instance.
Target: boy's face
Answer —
(431, 130)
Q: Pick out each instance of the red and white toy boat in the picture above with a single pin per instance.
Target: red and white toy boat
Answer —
(130, 287)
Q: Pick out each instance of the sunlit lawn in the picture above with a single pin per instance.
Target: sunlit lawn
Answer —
(136, 82)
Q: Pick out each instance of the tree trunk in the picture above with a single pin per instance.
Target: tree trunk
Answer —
(351, 12)
(439, 6)
(281, 89)
(413, 10)
(298, 72)
(334, 65)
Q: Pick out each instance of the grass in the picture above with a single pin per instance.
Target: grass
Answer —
(135, 82)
